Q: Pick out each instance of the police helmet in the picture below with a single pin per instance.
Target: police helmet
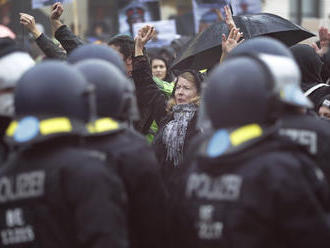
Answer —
(252, 89)
(115, 94)
(53, 89)
(265, 45)
(93, 51)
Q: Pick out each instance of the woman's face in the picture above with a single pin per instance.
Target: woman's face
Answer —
(185, 91)
(158, 68)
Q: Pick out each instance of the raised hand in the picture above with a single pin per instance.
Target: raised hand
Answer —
(324, 42)
(29, 22)
(229, 18)
(57, 11)
(144, 35)
(231, 42)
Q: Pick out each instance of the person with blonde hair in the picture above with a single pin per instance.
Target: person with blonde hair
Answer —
(175, 117)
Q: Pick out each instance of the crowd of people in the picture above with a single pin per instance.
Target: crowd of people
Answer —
(103, 145)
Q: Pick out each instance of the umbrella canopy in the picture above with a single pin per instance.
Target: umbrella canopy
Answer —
(204, 50)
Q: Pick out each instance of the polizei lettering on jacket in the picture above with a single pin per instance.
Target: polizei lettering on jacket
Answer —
(226, 187)
(22, 186)
(305, 138)
(16, 230)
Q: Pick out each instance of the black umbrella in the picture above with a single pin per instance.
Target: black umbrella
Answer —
(204, 50)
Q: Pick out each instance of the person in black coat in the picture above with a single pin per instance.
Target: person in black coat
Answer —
(310, 64)
(243, 186)
(131, 156)
(177, 117)
(53, 192)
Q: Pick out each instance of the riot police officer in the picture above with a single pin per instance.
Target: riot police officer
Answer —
(54, 193)
(301, 125)
(133, 158)
(245, 187)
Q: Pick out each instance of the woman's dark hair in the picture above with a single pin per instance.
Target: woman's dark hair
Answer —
(169, 76)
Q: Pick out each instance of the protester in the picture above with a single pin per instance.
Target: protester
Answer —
(162, 77)
(309, 63)
(49, 48)
(63, 195)
(160, 68)
(324, 52)
(132, 157)
(177, 117)
(124, 45)
(63, 34)
(243, 186)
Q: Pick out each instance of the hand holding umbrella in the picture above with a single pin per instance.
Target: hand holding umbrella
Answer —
(230, 43)
(324, 42)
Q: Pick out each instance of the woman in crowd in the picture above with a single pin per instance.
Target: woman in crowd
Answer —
(176, 117)
(161, 74)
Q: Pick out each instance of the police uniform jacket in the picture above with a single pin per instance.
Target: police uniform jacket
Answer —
(137, 166)
(244, 191)
(312, 134)
(56, 194)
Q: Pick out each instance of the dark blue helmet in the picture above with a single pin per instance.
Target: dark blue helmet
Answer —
(53, 89)
(93, 51)
(265, 45)
(115, 95)
(252, 89)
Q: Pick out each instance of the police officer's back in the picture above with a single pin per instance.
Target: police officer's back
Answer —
(306, 130)
(246, 187)
(53, 193)
(134, 159)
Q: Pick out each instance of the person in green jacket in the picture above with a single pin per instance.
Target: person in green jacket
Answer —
(165, 83)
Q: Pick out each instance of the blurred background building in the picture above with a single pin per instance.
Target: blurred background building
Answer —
(87, 15)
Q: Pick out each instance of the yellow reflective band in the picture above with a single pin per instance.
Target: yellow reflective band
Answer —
(102, 125)
(245, 133)
(202, 71)
(12, 128)
(55, 125)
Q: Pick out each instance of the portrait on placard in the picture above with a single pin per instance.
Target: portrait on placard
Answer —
(207, 12)
(136, 11)
(164, 35)
(43, 3)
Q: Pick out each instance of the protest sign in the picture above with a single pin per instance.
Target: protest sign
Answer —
(165, 32)
(42, 3)
(205, 10)
(135, 11)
